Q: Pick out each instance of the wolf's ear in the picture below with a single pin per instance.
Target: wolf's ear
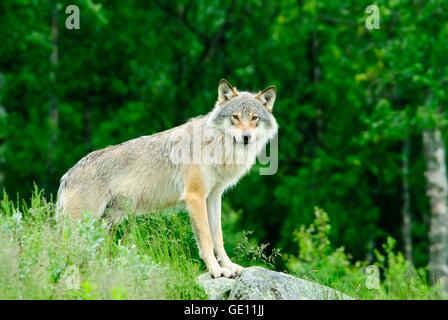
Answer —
(267, 97)
(225, 91)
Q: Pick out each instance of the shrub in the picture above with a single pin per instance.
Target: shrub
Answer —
(318, 261)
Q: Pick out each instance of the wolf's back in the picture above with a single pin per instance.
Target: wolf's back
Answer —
(138, 169)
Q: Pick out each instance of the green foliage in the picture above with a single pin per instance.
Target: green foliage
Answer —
(401, 280)
(319, 261)
(316, 259)
(348, 98)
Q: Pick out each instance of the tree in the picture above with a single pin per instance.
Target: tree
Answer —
(406, 208)
(437, 191)
(53, 111)
(2, 126)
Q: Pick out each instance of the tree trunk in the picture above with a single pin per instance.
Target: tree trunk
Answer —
(2, 142)
(406, 209)
(437, 191)
(53, 103)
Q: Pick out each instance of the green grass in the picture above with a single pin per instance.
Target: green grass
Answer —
(155, 257)
(152, 257)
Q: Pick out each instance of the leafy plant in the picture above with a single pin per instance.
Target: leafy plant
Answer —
(319, 261)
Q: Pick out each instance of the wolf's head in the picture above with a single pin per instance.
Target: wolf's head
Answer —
(246, 117)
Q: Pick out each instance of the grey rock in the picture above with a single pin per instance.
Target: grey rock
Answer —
(216, 289)
(257, 283)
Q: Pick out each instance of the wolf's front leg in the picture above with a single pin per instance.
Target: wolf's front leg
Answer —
(214, 218)
(197, 209)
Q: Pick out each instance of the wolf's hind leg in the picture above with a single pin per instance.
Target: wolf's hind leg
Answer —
(117, 209)
(214, 218)
(73, 203)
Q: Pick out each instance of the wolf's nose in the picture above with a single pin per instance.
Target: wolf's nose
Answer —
(246, 138)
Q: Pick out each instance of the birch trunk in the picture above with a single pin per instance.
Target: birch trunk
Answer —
(406, 209)
(437, 191)
(53, 103)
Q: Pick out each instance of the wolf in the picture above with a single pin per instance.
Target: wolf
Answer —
(163, 170)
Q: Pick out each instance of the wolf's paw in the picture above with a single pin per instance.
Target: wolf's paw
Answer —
(235, 268)
(222, 272)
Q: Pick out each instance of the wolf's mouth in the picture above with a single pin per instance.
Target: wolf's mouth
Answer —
(244, 142)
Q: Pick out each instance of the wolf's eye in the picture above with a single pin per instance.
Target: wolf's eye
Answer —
(254, 118)
(235, 116)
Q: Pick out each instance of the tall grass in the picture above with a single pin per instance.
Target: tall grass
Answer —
(140, 258)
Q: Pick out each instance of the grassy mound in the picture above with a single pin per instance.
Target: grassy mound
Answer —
(151, 257)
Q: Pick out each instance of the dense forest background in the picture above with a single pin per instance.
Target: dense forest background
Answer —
(362, 113)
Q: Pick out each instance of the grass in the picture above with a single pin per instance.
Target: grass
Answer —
(152, 257)
(155, 257)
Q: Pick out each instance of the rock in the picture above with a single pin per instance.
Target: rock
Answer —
(257, 283)
(216, 289)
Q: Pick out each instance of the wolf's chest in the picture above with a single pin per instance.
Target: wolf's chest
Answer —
(227, 175)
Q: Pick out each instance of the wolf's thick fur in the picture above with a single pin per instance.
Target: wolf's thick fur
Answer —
(141, 175)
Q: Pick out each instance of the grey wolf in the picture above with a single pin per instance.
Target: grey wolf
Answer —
(143, 176)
